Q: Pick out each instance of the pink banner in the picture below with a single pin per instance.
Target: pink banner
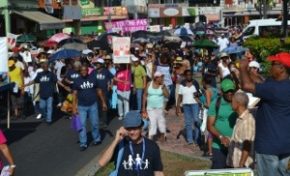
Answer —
(127, 25)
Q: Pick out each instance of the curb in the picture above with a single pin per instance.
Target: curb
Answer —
(90, 169)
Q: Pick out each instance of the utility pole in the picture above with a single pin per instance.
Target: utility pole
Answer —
(6, 14)
(285, 19)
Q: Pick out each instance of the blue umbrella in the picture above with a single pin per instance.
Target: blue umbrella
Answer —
(65, 54)
(234, 50)
(183, 31)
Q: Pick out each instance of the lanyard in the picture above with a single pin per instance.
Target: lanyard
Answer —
(132, 152)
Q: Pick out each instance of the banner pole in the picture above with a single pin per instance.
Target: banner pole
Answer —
(8, 109)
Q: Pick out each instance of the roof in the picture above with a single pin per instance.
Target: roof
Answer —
(44, 20)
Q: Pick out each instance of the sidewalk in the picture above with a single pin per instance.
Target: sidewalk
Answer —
(179, 146)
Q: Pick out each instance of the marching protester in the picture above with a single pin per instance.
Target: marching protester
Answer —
(188, 96)
(220, 123)
(47, 83)
(16, 76)
(104, 80)
(153, 105)
(139, 77)
(123, 81)
(85, 103)
(272, 140)
(134, 153)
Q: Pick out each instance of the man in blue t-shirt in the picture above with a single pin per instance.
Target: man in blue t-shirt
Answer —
(104, 80)
(47, 84)
(272, 141)
(74, 73)
(85, 96)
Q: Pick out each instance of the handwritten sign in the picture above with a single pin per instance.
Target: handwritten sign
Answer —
(121, 49)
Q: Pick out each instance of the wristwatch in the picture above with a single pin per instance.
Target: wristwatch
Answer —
(12, 166)
(221, 136)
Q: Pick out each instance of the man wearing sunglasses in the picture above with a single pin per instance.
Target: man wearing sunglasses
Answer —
(140, 155)
(221, 121)
(272, 141)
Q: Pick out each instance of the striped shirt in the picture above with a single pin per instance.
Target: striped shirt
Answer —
(244, 130)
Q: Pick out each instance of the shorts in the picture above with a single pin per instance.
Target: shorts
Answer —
(17, 100)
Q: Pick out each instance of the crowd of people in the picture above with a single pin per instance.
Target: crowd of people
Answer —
(215, 109)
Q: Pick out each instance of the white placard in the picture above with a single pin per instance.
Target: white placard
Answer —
(221, 172)
(121, 50)
(3, 54)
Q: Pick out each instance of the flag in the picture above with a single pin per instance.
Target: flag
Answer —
(11, 40)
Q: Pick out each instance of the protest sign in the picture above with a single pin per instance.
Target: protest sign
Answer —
(127, 25)
(121, 50)
(221, 172)
(3, 54)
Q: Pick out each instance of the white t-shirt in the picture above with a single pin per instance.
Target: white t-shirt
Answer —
(187, 94)
(225, 70)
(223, 43)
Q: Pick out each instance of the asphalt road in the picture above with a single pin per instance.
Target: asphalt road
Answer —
(42, 150)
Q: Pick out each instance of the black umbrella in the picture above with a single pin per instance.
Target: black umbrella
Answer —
(70, 40)
(98, 44)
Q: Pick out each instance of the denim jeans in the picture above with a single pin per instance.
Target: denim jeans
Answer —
(45, 106)
(123, 102)
(139, 95)
(90, 112)
(269, 165)
(191, 119)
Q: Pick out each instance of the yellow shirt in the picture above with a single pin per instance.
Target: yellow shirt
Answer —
(16, 76)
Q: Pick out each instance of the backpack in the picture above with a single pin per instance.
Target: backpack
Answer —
(218, 104)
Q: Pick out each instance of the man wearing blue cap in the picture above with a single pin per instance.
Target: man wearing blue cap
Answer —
(140, 155)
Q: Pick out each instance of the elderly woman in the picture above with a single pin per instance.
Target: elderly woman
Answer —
(154, 98)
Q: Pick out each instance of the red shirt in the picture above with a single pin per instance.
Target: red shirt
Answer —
(124, 75)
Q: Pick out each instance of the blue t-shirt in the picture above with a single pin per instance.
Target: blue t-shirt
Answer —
(47, 83)
(71, 75)
(273, 118)
(103, 77)
(86, 88)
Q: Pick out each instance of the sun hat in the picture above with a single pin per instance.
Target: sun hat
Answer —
(254, 64)
(283, 58)
(227, 85)
(149, 45)
(108, 57)
(158, 74)
(224, 55)
(132, 120)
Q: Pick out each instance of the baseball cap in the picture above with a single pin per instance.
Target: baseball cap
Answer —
(100, 60)
(87, 51)
(158, 74)
(283, 58)
(227, 85)
(134, 58)
(254, 64)
(132, 120)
